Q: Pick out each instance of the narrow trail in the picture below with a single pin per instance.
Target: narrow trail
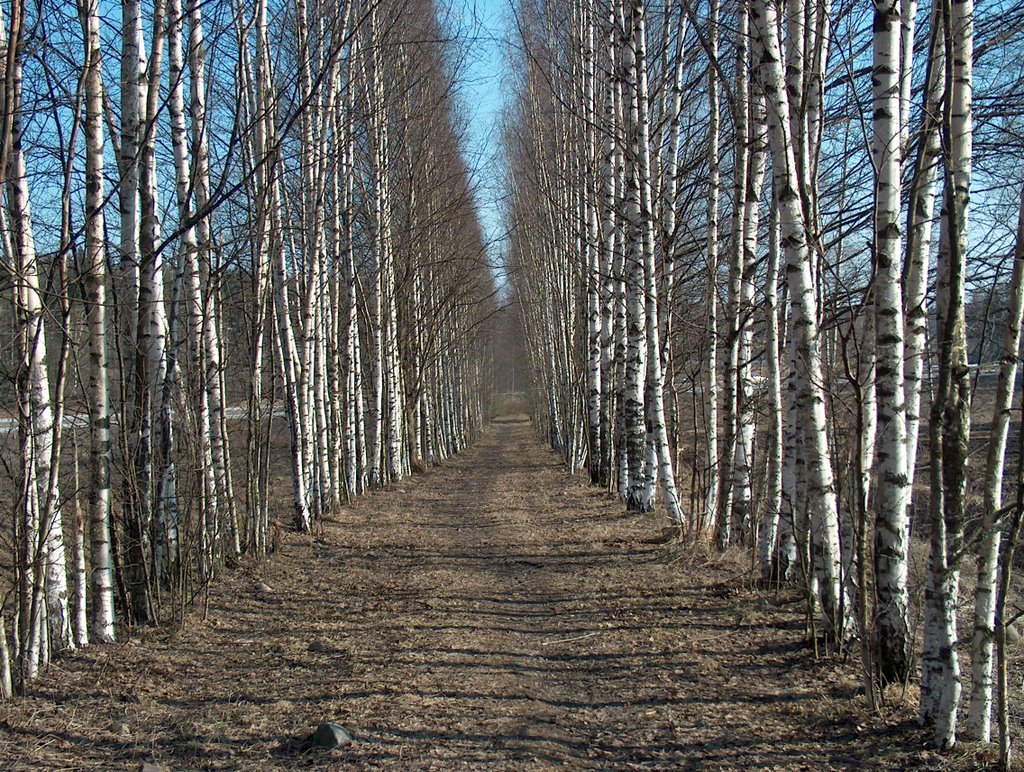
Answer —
(487, 614)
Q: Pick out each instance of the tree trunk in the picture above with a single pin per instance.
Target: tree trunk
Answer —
(940, 676)
(94, 277)
(810, 400)
(979, 719)
(892, 525)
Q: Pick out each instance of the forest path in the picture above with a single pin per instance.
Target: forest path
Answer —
(487, 614)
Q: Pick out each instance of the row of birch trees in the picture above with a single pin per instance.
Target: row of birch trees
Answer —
(754, 284)
(234, 235)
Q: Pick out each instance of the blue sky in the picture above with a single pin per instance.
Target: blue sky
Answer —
(484, 27)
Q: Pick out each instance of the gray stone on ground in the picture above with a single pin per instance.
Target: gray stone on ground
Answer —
(148, 766)
(261, 587)
(331, 735)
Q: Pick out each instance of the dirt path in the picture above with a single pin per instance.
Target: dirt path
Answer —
(488, 614)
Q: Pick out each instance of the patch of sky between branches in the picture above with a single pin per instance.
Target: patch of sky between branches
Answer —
(481, 28)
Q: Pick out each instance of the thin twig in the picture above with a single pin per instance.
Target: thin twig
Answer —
(575, 638)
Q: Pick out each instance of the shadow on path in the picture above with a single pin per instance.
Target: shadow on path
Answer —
(491, 613)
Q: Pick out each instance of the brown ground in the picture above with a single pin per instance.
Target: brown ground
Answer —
(488, 614)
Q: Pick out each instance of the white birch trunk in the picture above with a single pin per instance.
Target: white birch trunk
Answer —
(595, 348)
(940, 678)
(636, 316)
(711, 398)
(730, 385)
(139, 408)
(802, 294)
(205, 248)
(6, 681)
(979, 719)
(643, 209)
(192, 275)
(47, 537)
(80, 619)
(892, 524)
(151, 338)
(743, 456)
(867, 410)
(920, 212)
(102, 618)
(773, 354)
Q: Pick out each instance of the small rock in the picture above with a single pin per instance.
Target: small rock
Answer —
(261, 587)
(148, 766)
(331, 735)
(1012, 634)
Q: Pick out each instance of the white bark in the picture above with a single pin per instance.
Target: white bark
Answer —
(920, 212)
(940, 677)
(711, 388)
(979, 719)
(743, 454)
(595, 349)
(634, 407)
(192, 275)
(46, 538)
(867, 376)
(611, 174)
(892, 524)
(773, 354)
(821, 491)
(734, 317)
(6, 682)
(205, 249)
(102, 619)
(655, 403)
(80, 574)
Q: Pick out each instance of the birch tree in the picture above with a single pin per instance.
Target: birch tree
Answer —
(892, 527)
(950, 411)
(979, 726)
(810, 402)
(94, 278)
(41, 505)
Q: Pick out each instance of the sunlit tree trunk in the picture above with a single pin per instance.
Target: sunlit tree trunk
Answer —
(595, 283)
(979, 719)
(892, 525)
(743, 454)
(773, 354)
(940, 674)
(153, 412)
(730, 385)
(810, 401)
(94, 278)
(634, 406)
(205, 249)
(610, 226)
(920, 212)
(654, 402)
(711, 388)
(189, 256)
(44, 541)
(192, 283)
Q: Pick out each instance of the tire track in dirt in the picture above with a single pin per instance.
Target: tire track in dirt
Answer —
(489, 614)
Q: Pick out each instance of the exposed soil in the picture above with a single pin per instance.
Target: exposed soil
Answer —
(491, 613)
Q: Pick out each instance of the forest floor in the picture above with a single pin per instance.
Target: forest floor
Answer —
(490, 613)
